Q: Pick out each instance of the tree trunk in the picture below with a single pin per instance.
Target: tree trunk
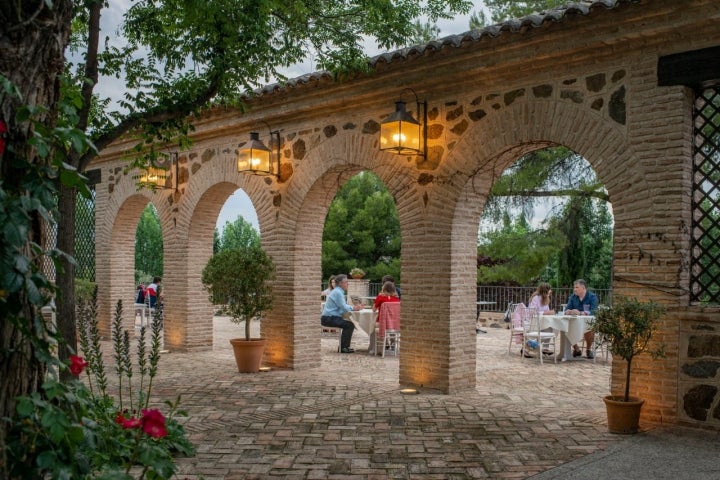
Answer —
(65, 301)
(33, 37)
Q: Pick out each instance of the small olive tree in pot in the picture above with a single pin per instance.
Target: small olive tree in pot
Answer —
(238, 280)
(627, 327)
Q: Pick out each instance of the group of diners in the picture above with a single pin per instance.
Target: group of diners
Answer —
(336, 306)
(581, 302)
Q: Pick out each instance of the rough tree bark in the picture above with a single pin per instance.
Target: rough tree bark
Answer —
(33, 37)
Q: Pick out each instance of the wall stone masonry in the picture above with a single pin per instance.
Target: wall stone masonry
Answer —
(587, 81)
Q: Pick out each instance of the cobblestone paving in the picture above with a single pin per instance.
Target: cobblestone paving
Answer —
(347, 419)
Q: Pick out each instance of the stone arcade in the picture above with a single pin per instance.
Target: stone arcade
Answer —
(587, 78)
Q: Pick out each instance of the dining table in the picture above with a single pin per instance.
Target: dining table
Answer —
(365, 320)
(571, 328)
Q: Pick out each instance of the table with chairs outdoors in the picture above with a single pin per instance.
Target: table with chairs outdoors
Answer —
(537, 333)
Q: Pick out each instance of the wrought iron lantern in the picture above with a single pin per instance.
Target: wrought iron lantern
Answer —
(256, 158)
(401, 134)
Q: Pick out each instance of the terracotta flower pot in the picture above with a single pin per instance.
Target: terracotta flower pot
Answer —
(248, 353)
(623, 417)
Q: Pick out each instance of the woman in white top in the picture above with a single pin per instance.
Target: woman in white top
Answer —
(540, 299)
(331, 286)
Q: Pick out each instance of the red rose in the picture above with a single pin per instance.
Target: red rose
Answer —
(153, 423)
(77, 365)
(127, 423)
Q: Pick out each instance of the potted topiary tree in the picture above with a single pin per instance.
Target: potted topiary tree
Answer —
(627, 326)
(238, 281)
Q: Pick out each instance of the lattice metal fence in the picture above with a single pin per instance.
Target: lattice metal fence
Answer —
(84, 239)
(705, 238)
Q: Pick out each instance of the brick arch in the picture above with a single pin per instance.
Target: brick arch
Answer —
(300, 222)
(188, 312)
(493, 144)
(115, 244)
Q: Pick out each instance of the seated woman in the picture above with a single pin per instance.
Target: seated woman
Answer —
(540, 299)
(331, 286)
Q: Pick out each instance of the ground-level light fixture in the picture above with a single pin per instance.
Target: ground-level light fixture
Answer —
(409, 391)
(256, 158)
(401, 134)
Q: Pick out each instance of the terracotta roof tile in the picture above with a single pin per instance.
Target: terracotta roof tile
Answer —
(534, 20)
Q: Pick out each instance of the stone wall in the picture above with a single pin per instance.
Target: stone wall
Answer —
(588, 83)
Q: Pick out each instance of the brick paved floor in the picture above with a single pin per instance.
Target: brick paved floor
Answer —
(347, 419)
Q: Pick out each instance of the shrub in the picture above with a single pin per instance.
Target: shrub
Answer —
(73, 430)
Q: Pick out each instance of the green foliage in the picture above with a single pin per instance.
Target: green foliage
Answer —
(516, 253)
(238, 234)
(572, 257)
(357, 272)
(75, 430)
(84, 291)
(424, 33)
(238, 279)
(149, 243)
(627, 326)
(506, 9)
(162, 38)
(362, 230)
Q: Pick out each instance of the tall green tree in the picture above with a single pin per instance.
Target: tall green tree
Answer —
(233, 47)
(516, 253)
(362, 230)
(424, 32)
(238, 234)
(149, 244)
(501, 10)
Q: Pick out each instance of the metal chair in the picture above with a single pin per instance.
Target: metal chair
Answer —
(388, 331)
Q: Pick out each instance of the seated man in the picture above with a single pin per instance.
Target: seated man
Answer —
(335, 308)
(575, 306)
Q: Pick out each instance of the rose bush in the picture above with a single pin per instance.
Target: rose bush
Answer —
(80, 430)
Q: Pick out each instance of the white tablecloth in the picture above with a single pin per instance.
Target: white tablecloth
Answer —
(364, 319)
(571, 328)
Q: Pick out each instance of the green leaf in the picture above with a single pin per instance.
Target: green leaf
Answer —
(47, 459)
(25, 407)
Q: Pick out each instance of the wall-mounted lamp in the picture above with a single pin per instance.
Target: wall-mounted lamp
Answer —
(254, 157)
(156, 177)
(401, 134)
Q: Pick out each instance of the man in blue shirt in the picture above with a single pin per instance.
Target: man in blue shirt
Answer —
(335, 308)
(576, 306)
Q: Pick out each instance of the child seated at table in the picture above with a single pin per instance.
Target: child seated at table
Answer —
(387, 294)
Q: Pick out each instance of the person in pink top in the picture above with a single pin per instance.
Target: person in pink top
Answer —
(540, 299)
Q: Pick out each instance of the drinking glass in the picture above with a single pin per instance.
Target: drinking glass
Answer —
(586, 309)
